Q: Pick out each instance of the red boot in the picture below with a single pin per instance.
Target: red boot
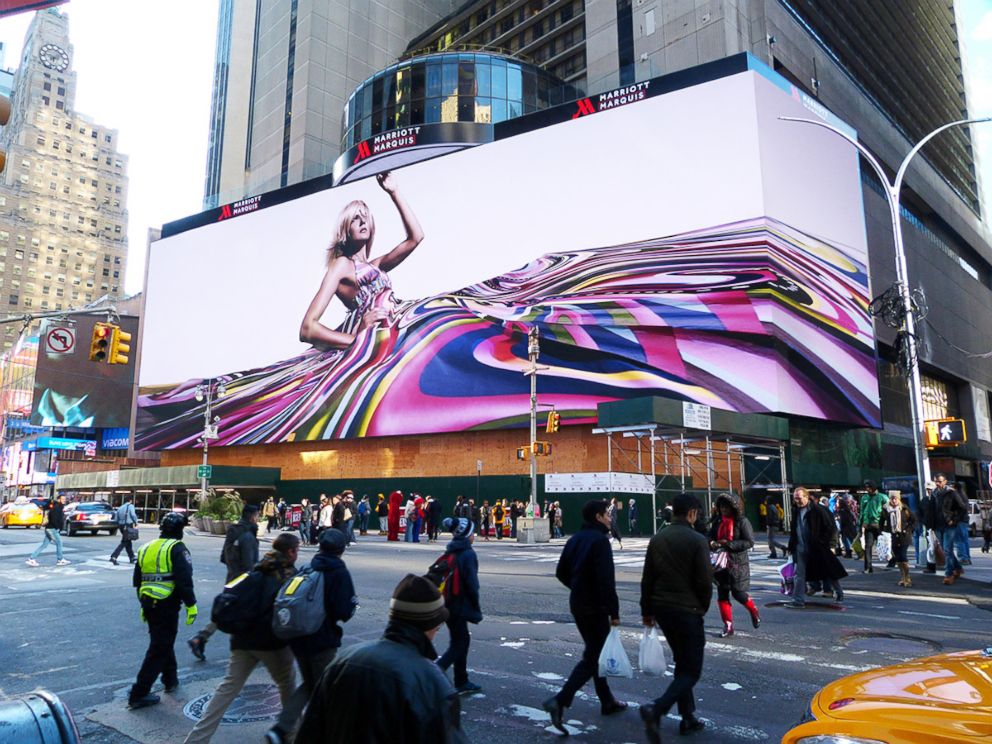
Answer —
(753, 609)
(727, 615)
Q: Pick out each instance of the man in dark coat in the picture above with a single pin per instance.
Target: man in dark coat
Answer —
(461, 597)
(953, 520)
(773, 524)
(676, 591)
(412, 701)
(810, 543)
(586, 568)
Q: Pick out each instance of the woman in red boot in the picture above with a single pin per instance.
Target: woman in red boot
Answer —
(731, 538)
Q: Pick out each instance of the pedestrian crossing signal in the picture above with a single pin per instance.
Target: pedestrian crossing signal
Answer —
(947, 432)
(522, 453)
(100, 342)
(542, 448)
(120, 346)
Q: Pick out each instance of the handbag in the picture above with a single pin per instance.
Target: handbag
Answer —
(131, 532)
(613, 661)
(788, 573)
(720, 560)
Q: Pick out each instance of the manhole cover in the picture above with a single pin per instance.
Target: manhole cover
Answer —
(255, 703)
(892, 643)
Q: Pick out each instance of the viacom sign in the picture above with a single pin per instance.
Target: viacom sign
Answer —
(116, 439)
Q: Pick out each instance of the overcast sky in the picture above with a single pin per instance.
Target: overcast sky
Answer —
(146, 69)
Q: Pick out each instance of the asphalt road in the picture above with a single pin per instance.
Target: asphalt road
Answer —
(75, 631)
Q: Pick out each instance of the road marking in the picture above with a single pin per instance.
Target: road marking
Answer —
(928, 614)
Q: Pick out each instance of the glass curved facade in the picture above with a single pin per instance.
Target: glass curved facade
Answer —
(449, 87)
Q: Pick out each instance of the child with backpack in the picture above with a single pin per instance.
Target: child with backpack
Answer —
(457, 575)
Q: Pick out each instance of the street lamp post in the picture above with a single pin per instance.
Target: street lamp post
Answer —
(206, 392)
(533, 352)
(892, 191)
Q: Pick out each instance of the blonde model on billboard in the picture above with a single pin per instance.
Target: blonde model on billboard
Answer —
(359, 282)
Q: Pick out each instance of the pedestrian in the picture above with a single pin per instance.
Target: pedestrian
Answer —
(127, 525)
(931, 516)
(559, 530)
(813, 531)
(772, 525)
(550, 511)
(257, 643)
(612, 511)
(870, 510)
(954, 517)
(900, 522)
(732, 534)
(271, 514)
(163, 578)
(412, 699)
(516, 510)
(239, 555)
(486, 515)
(676, 591)
(327, 516)
(847, 516)
(394, 513)
(632, 522)
(499, 517)
(349, 512)
(382, 513)
(315, 652)
(433, 510)
(586, 568)
(476, 512)
(985, 510)
(461, 598)
(54, 523)
(306, 517)
(364, 509)
(281, 507)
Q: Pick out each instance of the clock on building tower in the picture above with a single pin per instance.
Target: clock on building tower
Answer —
(54, 57)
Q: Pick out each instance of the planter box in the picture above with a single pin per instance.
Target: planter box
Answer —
(219, 527)
(198, 523)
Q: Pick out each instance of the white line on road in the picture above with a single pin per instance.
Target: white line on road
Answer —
(928, 614)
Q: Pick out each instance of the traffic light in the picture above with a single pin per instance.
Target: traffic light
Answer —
(542, 448)
(100, 343)
(4, 118)
(120, 346)
(554, 420)
(522, 453)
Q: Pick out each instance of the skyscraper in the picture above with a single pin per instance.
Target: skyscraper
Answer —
(63, 195)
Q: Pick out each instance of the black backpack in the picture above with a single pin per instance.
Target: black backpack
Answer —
(243, 605)
(445, 576)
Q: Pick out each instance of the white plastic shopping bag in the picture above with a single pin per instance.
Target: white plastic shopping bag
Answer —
(651, 655)
(883, 546)
(613, 661)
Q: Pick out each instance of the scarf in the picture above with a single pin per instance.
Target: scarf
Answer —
(726, 530)
(895, 519)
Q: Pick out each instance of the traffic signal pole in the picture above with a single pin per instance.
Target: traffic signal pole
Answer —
(533, 352)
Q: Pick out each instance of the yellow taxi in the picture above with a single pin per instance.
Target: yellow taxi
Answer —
(941, 699)
(20, 513)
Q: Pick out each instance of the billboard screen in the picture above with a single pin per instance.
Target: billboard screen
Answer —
(689, 244)
(69, 389)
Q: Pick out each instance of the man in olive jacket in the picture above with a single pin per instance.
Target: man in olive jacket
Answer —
(676, 590)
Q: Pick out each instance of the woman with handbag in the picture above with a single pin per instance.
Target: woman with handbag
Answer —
(731, 537)
(127, 523)
(900, 522)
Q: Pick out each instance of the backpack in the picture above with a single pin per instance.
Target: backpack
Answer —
(242, 603)
(298, 609)
(445, 575)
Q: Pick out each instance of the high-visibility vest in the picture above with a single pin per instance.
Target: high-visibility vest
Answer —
(155, 562)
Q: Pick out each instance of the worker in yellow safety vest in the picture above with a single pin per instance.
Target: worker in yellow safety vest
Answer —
(163, 577)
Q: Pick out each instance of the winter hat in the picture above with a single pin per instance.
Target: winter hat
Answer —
(332, 541)
(458, 527)
(417, 602)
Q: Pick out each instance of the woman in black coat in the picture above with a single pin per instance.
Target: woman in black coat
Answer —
(731, 534)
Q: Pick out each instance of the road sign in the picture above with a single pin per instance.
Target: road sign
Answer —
(945, 432)
(204, 471)
(60, 340)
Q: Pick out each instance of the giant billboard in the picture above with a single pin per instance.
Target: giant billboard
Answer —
(689, 244)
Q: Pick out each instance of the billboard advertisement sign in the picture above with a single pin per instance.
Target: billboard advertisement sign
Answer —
(70, 390)
(689, 244)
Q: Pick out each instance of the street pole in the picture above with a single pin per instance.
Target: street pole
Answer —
(206, 392)
(533, 352)
(892, 192)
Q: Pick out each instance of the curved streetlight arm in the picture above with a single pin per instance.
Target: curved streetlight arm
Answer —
(897, 185)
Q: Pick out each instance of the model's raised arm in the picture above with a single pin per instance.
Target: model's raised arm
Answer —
(414, 233)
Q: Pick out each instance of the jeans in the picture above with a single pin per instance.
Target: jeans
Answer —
(242, 664)
(773, 543)
(457, 652)
(408, 537)
(51, 536)
(594, 629)
(799, 587)
(846, 542)
(349, 529)
(684, 633)
(948, 541)
(417, 524)
(871, 535)
(963, 541)
(363, 523)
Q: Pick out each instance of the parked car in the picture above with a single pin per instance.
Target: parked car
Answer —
(940, 699)
(89, 515)
(20, 513)
(974, 518)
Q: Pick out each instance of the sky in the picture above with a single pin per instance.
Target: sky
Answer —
(146, 69)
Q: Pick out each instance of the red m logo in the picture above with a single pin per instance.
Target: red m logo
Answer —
(585, 108)
(225, 212)
(363, 151)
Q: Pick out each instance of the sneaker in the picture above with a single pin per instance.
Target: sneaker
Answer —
(651, 729)
(143, 702)
(466, 688)
(839, 599)
(555, 711)
(113, 560)
(795, 605)
(32, 562)
(63, 562)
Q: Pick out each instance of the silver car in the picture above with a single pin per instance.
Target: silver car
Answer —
(89, 515)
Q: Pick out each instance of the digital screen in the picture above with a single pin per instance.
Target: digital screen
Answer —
(71, 390)
(689, 244)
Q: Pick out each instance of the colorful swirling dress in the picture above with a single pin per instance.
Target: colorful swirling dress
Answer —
(739, 317)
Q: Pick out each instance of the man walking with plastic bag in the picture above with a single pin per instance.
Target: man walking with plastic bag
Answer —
(586, 568)
(676, 591)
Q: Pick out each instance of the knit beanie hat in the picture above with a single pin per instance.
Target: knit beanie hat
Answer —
(458, 526)
(417, 602)
(333, 541)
